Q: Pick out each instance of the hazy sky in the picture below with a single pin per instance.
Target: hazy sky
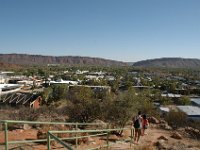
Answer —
(126, 30)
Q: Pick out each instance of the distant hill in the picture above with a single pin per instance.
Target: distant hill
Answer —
(8, 65)
(25, 59)
(169, 63)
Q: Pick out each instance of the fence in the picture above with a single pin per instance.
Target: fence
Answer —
(51, 136)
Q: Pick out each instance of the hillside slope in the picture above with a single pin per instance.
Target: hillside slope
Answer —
(8, 65)
(169, 63)
(25, 59)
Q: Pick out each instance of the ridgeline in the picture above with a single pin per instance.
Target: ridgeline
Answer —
(25, 59)
(169, 63)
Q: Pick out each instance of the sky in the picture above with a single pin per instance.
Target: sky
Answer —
(124, 30)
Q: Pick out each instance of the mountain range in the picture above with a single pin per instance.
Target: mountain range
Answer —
(25, 59)
(169, 63)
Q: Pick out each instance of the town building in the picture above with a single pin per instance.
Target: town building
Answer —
(193, 112)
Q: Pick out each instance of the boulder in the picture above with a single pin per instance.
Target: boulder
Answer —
(26, 127)
(165, 126)
(163, 138)
(178, 146)
(161, 144)
(100, 125)
(41, 134)
(112, 138)
(194, 133)
(153, 120)
(176, 135)
(163, 122)
(90, 140)
(61, 127)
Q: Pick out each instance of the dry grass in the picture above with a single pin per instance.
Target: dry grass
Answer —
(144, 147)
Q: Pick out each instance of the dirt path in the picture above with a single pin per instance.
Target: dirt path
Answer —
(148, 142)
(153, 134)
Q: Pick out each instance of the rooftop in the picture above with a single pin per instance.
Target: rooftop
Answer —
(190, 110)
(196, 100)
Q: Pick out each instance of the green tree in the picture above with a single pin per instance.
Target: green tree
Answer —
(184, 100)
(165, 101)
(115, 85)
(118, 110)
(47, 95)
(41, 72)
(59, 91)
(83, 107)
(55, 93)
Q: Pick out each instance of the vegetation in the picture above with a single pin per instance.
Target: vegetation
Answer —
(121, 103)
(184, 100)
(176, 119)
(55, 93)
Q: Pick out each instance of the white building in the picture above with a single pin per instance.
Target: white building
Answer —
(9, 88)
(60, 81)
(193, 112)
(4, 76)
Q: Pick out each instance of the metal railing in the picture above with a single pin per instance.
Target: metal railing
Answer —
(107, 132)
(51, 136)
(8, 122)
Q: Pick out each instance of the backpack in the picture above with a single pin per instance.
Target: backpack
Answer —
(136, 123)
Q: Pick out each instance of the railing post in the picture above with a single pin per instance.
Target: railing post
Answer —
(107, 139)
(76, 135)
(131, 137)
(48, 141)
(6, 135)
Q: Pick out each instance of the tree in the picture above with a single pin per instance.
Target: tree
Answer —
(118, 110)
(47, 95)
(165, 101)
(55, 93)
(115, 85)
(59, 91)
(128, 81)
(41, 72)
(184, 100)
(83, 106)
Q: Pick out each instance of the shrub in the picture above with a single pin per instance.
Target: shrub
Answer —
(184, 100)
(176, 119)
(24, 113)
(165, 101)
(148, 108)
(194, 124)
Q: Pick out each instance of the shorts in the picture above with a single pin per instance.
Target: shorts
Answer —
(138, 130)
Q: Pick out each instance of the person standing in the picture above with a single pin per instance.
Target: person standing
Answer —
(145, 124)
(137, 123)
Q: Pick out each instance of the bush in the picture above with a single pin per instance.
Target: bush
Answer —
(184, 100)
(194, 124)
(176, 119)
(165, 101)
(54, 93)
(148, 108)
(24, 113)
